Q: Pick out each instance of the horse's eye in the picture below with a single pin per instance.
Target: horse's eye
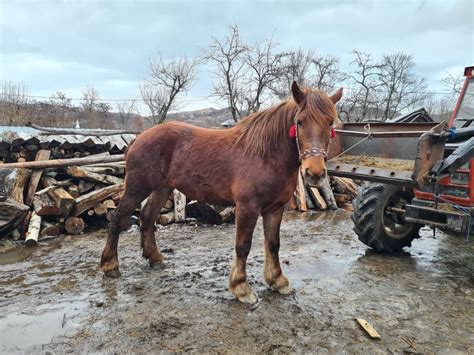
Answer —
(298, 123)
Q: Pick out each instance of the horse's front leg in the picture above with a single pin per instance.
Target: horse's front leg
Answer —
(272, 271)
(246, 218)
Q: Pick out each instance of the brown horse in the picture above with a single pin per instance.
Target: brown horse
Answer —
(253, 166)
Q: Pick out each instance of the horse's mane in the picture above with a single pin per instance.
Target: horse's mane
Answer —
(267, 131)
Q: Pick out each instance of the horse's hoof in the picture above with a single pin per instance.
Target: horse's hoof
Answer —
(156, 265)
(286, 290)
(113, 274)
(250, 298)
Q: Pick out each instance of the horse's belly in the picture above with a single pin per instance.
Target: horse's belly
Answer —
(205, 191)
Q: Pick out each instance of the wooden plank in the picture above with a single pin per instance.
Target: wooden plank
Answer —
(61, 197)
(317, 198)
(179, 206)
(89, 200)
(368, 328)
(42, 155)
(301, 194)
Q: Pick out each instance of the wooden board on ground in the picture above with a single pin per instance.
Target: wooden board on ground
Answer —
(317, 198)
(84, 173)
(368, 328)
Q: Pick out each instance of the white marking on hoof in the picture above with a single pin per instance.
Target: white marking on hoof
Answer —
(285, 290)
(250, 298)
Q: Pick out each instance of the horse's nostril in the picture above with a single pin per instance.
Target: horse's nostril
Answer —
(309, 173)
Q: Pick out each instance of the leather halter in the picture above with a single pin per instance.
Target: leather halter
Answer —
(314, 152)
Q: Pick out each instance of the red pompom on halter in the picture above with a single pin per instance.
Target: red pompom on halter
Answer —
(333, 132)
(292, 131)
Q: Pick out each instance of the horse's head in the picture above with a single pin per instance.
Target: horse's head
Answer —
(314, 120)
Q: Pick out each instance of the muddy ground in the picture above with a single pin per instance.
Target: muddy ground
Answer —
(54, 298)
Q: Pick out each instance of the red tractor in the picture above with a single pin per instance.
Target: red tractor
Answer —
(420, 174)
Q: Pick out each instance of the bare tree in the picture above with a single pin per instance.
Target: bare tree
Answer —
(125, 110)
(325, 74)
(295, 66)
(401, 87)
(13, 97)
(167, 79)
(364, 80)
(90, 98)
(230, 57)
(453, 83)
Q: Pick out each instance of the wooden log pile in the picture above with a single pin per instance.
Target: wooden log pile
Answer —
(49, 197)
(335, 192)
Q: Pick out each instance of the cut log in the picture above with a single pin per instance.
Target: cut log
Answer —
(100, 209)
(345, 185)
(301, 194)
(228, 214)
(203, 212)
(43, 205)
(17, 191)
(33, 230)
(81, 173)
(73, 191)
(165, 219)
(12, 214)
(179, 206)
(91, 212)
(63, 162)
(61, 197)
(89, 200)
(49, 230)
(327, 194)
(36, 176)
(85, 186)
(109, 204)
(317, 198)
(168, 204)
(74, 225)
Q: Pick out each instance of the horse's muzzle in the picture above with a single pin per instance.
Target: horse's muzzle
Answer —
(314, 180)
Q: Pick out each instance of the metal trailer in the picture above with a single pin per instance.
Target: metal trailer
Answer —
(417, 173)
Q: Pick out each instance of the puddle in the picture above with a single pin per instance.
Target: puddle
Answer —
(41, 324)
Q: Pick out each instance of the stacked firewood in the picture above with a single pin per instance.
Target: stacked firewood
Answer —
(64, 199)
(334, 192)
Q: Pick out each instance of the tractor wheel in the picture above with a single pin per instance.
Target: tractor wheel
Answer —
(378, 219)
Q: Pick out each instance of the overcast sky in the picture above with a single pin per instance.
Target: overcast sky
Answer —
(68, 45)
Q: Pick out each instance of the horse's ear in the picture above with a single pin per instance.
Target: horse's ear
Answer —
(298, 94)
(337, 96)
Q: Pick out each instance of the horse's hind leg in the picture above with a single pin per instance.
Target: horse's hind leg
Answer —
(120, 222)
(148, 218)
(272, 271)
(246, 218)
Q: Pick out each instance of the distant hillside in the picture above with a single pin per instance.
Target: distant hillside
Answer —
(208, 117)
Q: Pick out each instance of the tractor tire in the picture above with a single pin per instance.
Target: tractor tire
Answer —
(376, 224)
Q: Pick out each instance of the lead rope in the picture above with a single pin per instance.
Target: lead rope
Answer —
(369, 136)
